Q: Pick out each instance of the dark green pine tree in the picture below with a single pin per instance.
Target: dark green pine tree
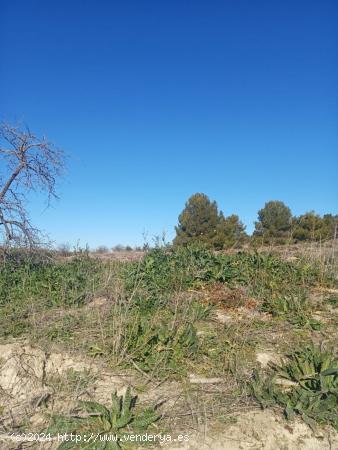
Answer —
(230, 232)
(312, 227)
(198, 221)
(274, 221)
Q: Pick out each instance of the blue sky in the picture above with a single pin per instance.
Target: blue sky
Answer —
(156, 100)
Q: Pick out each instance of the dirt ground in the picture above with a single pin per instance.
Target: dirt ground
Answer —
(34, 383)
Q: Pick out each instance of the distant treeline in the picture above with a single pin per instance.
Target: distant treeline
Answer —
(201, 221)
(66, 249)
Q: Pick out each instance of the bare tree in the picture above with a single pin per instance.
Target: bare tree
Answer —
(27, 163)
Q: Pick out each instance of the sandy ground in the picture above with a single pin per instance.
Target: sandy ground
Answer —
(25, 386)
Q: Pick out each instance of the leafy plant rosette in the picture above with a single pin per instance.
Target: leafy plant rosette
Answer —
(102, 428)
(310, 389)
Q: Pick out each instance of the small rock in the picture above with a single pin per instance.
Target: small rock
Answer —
(195, 379)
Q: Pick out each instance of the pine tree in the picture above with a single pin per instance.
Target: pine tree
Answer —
(274, 221)
(312, 227)
(230, 232)
(198, 221)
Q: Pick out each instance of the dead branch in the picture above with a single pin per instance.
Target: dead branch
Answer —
(27, 163)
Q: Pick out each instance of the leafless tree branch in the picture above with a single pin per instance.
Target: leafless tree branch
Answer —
(27, 163)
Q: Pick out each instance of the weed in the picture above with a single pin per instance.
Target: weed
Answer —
(333, 301)
(166, 269)
(152, 320)
(160, 344)
(313, 393)
(62, 330)
(103, 428)
(29, 286)
(55, 283)
(201, 312)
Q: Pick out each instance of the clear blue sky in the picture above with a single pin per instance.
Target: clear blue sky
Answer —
(156, 100)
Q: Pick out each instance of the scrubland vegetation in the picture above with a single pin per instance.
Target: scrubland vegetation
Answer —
(182, 312)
